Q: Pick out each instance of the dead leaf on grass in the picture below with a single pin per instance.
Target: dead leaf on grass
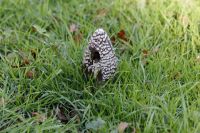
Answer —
(145, 53)
(30, 74)
(144, 59)
(26, 61)
(61, 115)
(65, 115)
(78, 37)
(122, 35)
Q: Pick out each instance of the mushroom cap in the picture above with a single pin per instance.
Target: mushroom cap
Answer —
(99, 57)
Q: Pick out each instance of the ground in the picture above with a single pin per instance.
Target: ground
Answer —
(156, 87)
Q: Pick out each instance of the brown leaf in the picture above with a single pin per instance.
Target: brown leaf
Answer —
(30, 74)
(145, 53)
(122, 35)
(26, 61)
(78, 37)
(73, 28)
(122, 126)
(39, 117)
(64, 115)
(61, 115)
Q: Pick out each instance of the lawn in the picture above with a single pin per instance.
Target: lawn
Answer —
(156, 87)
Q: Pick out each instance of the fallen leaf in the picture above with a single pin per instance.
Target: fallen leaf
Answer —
(96, 124)
(122, 35)
(144, 59)
(61, 115)
(39, 117)
(78, 37)
(73, 28)
(145, 53)
(65, 115)
(26, 61)
(122, 126)
(30, 74)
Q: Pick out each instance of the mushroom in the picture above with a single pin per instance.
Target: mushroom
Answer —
(99, 57)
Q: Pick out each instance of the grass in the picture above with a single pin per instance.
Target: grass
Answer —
(157, 84)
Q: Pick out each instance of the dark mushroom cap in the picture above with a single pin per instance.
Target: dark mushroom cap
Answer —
(99, 57)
